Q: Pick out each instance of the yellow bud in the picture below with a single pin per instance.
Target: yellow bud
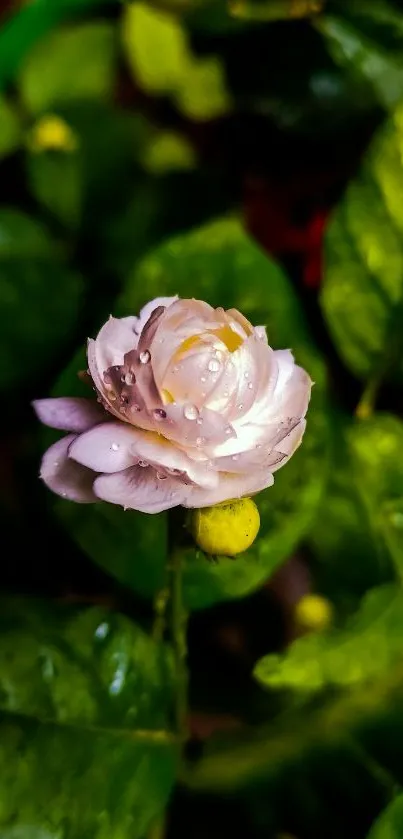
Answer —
(52, 133)
(313, 612)
(227, 529)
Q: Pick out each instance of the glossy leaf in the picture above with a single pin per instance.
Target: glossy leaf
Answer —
(11, 128)
(367, 646)
(35, 322)
(227, 269)
(362, 292)
(390, 823)
(88, 689)
(77, 62)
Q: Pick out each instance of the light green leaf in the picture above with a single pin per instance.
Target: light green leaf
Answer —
(161, 60)
(155, 46)
(168, 151)
(88, 689)
(362, 292)
(10, 128)
(35, 321)
(71, 63)
(390, 823)
(368, 646)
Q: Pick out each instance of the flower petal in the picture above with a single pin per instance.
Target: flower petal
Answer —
(64, 476)
(69, 413)
(149, 308)
(106, 448)
(194, 429)
(139, 488)
(230, 486)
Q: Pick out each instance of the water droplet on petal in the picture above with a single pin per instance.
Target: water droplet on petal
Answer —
(135, 408)
(64, 494)
(228, 429)
(214, 365)
(129, 378)
(56, 463)
(235, 456)
(142, 463)
(240, 406)
(246, 374)
(203, 379)
(250, 385)
(161, 476)
(159, 414)
(199, 421)
(175, 369)
(200, 441)
(112, 397)
(190, 412)
(258, 445)
(145, 357)
(115, 447)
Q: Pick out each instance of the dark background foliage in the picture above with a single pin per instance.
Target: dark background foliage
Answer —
(249, 154)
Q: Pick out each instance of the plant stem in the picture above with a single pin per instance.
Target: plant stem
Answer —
(160, 609)
(178, 633)
(366, 405)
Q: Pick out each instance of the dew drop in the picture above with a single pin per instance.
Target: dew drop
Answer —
(214, 365)
(159, 414)
(112, 397)
(161, 476)
(145, 357)
(258, 445)
(115, 447)
(190, 412)
(56, 463)
(175, 369)
(200, 441)
(199, 421)
(240, 406)
(235, 457)
(129, 378)
(64, 494)
(203, 379)
(142, 463)
(228, 429)
(107, 379)
(250, 385)
(135, 408)
(246, 374)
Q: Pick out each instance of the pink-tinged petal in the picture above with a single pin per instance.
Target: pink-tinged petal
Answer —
(149, 308)
(280, 443)
(139, 488)
(230, 487)
(191, 428)
(166, 457)
(65, 477)
(105, 448)
(114, 340)
(69, 413)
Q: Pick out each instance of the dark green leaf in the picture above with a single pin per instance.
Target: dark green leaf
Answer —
(91, 692)
(367, 647)
(362, 292)
(35, 320)
(390, 823)
(77, 62)
(11, 128)
(55, 179)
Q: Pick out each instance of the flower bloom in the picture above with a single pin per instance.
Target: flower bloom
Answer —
(194, 408)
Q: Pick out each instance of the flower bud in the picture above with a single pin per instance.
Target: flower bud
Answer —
(52, 133)
(313, 612)
(227, 529)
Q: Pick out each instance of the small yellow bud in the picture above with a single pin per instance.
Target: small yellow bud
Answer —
(313, 612)
(52, 133)
(227, 529)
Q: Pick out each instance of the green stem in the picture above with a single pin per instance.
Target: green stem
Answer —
(366, 405)
(178, 634)
(160, 609)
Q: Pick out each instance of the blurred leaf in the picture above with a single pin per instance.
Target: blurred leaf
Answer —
(155, 46)
(269, 10)
(158, 53)
(32, 22)
(168, 151)
(362, 292)
(55, 179)
(77, 62)
(391, 525)
(390, 823)
(361, 52)
(88, 689)
(368, 646)
(35, 321)
(11, 128)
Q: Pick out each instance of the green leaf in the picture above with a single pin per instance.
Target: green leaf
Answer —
(88, 689)
(11, 128)
(157, 50)
(390, 823)
(362, 292)
(35, 321)
(366, 42)
(168, 151)
(368, 646)
(73, 63)
(55, 179)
